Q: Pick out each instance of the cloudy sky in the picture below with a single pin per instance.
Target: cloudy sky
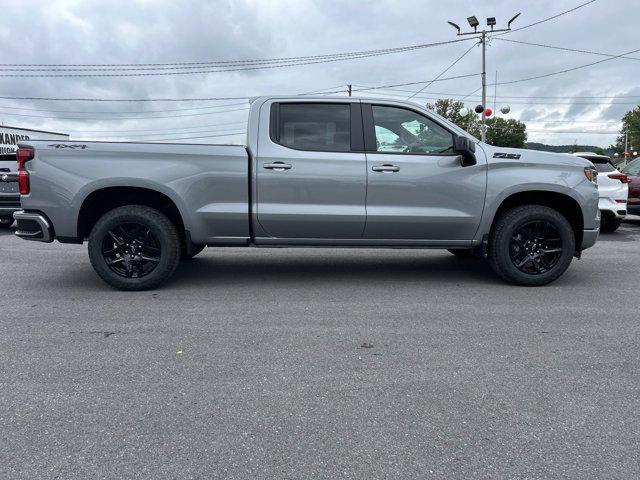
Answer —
(590, 99)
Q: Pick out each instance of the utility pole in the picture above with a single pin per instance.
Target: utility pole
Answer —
(349, 89)
(482, 37)
(495, 92)
(627, 154)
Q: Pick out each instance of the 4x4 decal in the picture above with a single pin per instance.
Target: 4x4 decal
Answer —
(64, 145)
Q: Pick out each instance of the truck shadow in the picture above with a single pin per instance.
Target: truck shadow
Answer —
(348, 268)
(5, 232)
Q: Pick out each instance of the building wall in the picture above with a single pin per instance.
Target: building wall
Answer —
(10, 136)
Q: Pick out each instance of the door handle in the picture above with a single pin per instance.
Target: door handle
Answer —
(277, 166)
(385, 168)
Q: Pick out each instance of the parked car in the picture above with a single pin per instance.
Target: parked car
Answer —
(632, 171)
(613, 191)
(9, 194)
(316, 172)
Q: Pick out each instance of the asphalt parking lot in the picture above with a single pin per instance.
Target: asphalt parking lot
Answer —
(320, 363)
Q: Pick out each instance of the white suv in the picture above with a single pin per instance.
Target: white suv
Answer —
(613, 191)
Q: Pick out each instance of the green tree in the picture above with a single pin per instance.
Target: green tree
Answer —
(630, 123)
(598, 150)
(450, 109)
(503, 132)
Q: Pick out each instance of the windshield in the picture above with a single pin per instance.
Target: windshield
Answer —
(633, 168)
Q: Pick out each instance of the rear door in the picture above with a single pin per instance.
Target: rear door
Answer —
(417, 187)
(311, 170)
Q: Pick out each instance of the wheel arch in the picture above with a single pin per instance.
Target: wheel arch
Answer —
(560, 201)
(101, 200)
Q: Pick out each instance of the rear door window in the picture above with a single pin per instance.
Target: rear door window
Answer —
(314, 126)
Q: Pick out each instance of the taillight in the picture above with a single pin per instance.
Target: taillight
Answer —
(619, 176)
(24, 155)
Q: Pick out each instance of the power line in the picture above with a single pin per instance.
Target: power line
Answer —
(123, 118)
(443, 71)
(591, 52)
(566, 70)
(427, 97)
(228, 62)
(553, 17)
(221, 131)
(191, 138)
(514, 96)
(417, 83)
(160, 129)
(121, 112)
(234, 69)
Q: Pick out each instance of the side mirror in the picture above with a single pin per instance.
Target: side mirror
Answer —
(465, 147)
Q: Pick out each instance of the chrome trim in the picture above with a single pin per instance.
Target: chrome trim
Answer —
(43, 223)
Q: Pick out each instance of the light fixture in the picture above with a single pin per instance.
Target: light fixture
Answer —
(511, 21)
(455, 26)
(491, 21)
(473, 21)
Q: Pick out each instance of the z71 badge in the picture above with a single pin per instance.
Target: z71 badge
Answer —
(511, 156)
(64, 145)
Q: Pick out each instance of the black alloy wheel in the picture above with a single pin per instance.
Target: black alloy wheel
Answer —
(535, 247)
(131, 250)
(531, 245)
(134, 247)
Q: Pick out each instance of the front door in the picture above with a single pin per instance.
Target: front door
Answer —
(417, 188)
(311, 171)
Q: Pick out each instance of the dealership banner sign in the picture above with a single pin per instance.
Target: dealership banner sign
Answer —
(11, 136)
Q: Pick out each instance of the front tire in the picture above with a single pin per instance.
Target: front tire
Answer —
(134, 248)
(531, 245)
(6, 222)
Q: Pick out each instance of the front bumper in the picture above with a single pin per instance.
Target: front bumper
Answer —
(589, 238)
(612, 207)
(33, 226)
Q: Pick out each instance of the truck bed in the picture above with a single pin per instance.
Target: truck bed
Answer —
(209, 184)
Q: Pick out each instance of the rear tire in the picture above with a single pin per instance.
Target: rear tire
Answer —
(6, 222)
(134, 248)
(531, 245)
(609, 224)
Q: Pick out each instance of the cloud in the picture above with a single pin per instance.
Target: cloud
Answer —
(94, 31)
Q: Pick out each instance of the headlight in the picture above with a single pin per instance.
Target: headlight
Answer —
(591, 174)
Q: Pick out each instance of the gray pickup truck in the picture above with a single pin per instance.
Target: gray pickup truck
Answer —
(334, 172)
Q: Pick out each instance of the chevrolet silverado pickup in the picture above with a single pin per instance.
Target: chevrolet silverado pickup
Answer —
(332, 172)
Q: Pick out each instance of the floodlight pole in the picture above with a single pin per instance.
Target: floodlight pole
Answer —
(482, 36)
(483, 41)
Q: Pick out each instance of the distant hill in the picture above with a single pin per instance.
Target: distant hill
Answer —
(565, 148)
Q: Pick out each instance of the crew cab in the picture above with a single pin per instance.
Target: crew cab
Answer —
(332, 172)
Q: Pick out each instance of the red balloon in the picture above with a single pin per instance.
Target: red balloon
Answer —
(488, 112)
